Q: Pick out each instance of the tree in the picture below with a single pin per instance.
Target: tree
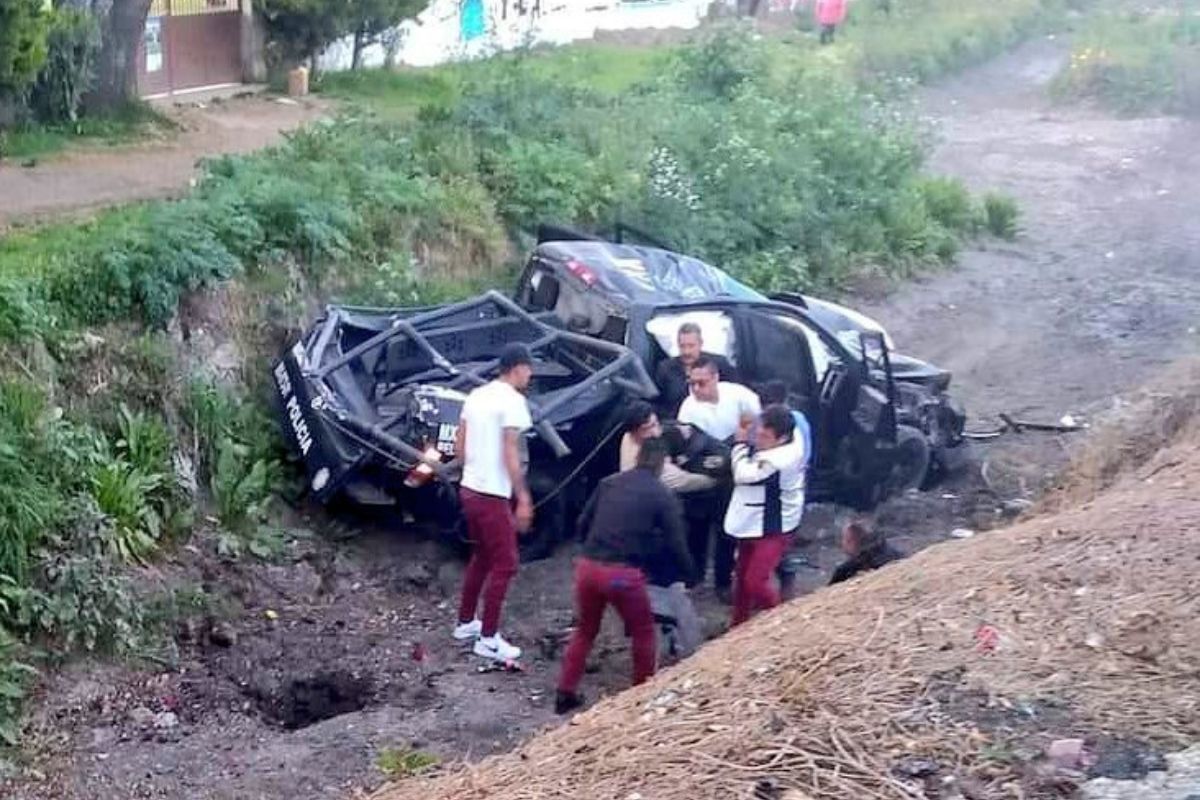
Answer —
(23, 30)
(122, 24)
(372, 19)
(300, 29)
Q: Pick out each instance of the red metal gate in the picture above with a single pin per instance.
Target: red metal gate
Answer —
(189, 44)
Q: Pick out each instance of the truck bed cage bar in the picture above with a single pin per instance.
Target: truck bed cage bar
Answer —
(622, 367)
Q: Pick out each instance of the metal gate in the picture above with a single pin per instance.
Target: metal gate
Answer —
(190, 44)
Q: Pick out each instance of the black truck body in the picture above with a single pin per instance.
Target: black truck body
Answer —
(370, 397)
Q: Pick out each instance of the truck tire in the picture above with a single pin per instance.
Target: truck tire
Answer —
(910, 469)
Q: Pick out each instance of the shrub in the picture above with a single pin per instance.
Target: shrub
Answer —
(70, 68)
(80, 595)
(1001, 215)
(1136, 62)
(949, 202)
(29, 476)
(242, 457)
(23, 26)
(15, 677)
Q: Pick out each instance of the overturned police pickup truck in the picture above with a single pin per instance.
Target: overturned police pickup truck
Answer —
(371, 397)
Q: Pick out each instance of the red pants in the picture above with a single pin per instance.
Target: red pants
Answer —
(494, 559)
(597, 585)
(756, 563)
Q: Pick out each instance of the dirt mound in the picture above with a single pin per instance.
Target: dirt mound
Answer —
(945, 675)
(1135, 437)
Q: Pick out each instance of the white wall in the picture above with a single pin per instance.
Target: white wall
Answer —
(436, 35)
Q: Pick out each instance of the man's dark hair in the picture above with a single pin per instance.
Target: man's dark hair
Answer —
(774, 392)
(638, 415)
(779, 420)
(691, 328)
(705, 362)
(514, 355)
(652, 455)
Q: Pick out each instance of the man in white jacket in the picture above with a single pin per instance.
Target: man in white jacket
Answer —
(766, 506)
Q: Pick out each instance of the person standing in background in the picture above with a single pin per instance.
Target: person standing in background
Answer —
(830, 14)
(488, 441)
(673, 374)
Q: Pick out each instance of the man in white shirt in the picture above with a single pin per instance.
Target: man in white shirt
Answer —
(719, 408)
(715, 406)
(765, 508)
(488, 441)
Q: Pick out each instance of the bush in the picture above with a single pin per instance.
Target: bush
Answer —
(242, 460)
(23, 25)
(949, 202)
(1001, 216)
(70, 68)
(1136, 62)
(15, 677)
(80, 596)
(30, 472)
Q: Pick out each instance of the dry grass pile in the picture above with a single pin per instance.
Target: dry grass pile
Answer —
(962, 661)
(1135, 436)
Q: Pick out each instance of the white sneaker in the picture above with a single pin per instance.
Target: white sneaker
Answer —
(496, 648)
(468, 630)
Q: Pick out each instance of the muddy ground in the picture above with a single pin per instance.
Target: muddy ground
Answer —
(1094, 298)
(88, 178)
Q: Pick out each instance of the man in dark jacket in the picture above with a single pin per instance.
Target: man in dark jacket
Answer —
(672, 375)
(632, 522)
(867, 549)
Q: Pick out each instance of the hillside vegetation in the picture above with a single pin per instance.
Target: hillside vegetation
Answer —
(1143, 60)
(791, 166)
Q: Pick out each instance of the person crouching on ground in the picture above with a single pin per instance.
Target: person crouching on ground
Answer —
(866, 548)
(488, 441)
(765, 508)
(632, 520)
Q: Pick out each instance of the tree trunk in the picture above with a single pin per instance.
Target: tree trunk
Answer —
(360, 44)
(117, 65)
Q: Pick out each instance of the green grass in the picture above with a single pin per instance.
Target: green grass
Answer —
(919, 39)
(1144, 61)
(30, 142)
(400, 94)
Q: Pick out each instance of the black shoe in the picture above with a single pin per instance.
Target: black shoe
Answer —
(566, 702)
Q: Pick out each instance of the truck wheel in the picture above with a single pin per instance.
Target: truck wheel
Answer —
(911, 466)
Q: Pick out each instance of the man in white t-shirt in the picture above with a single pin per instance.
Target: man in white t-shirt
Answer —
(493, 420)
(715, 406)
(719, 408)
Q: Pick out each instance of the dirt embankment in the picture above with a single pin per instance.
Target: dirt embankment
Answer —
(946, 675)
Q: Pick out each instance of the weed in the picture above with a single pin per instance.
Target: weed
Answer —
(79, 594)
(949, 202)
(1001, 215)
(402, 763)
(15, 677)
(1137, 62)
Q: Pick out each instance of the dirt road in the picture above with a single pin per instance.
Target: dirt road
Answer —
(1097, 295)
(91, 178)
